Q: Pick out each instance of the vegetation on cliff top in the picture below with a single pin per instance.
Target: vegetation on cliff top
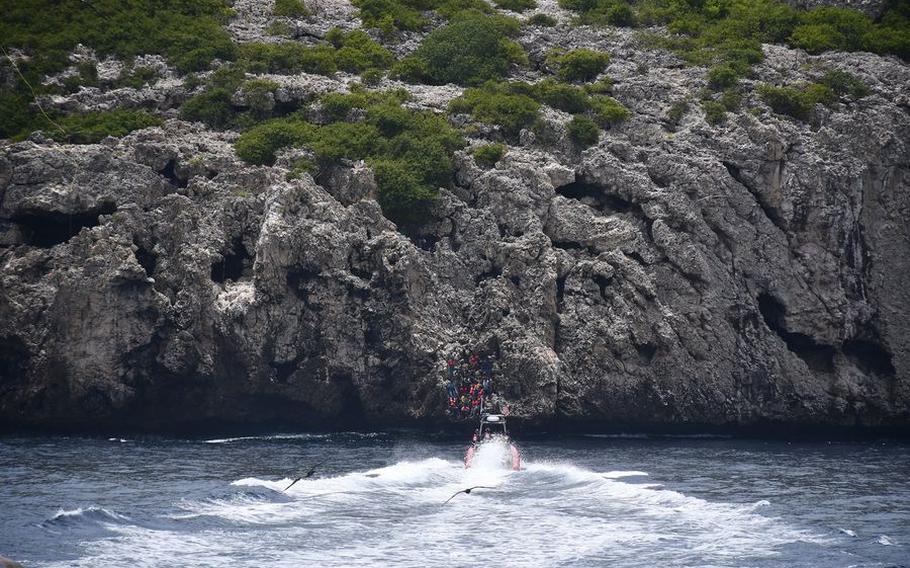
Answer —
(410, 151)
(514, 105)
(47, 31)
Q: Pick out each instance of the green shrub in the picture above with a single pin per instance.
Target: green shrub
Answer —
(95, 126)
(357, 52)
(260, 144)
(371, 77)
(290, 8)
(715, 112)
(542, 20)
(677, 111)
(288, 57)
(844, 84)
(602, 12)
(497, 105)
(516, 5)
(608, 111)
(583, 131)
(16, 116)
(568, 98)
(137, 77)
(599, 87)
(722, 77)
(816, 38)
(460, 9)
(731, 99)
(846, 28)
(488, 154)
(410, 151)
(212, 107)
(48, 30)
(467, 52)
(796, 102)
(259, 97)
(579, 64)
(389, 15)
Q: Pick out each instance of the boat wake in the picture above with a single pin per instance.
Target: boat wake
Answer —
(547, 514)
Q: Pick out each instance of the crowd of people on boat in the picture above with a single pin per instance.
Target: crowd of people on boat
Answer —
(470, 379)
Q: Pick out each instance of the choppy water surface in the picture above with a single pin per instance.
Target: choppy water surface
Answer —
(377, 500)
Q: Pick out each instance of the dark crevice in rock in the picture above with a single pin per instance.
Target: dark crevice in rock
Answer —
(596, 197)
(817, 356)
(426, 242)
(646, 352)
(283, 371)
(560, 292)
(235, 264)
(572, 246)
(170, 173)
(493, 272)
(47, 229)
(146, 259)
(870, 356)
(13, 360)
(602, 283)
(771, 212)
(516, 280)
(637, 257)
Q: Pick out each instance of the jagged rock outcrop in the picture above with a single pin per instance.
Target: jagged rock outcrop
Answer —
(675, 273)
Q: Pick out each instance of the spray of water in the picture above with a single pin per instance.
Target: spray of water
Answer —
(545, 515)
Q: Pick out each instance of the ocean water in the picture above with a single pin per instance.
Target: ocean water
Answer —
(377, 499)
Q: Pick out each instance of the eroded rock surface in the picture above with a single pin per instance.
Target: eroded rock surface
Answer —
(675, 273)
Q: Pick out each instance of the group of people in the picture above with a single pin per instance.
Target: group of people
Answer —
(470, 379)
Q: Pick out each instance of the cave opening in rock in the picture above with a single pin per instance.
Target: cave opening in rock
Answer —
(170, 173)
(283, 371)
(817, 356)
(46, 229)
(235, 264)
(646, 352)
(596, 196)
(869, 356)
(13, 358)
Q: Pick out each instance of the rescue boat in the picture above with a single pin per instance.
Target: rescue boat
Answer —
(493, 429)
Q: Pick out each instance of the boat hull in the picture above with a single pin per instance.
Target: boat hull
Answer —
(513, 460)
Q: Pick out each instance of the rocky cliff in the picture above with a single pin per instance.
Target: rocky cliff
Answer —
(754, 272)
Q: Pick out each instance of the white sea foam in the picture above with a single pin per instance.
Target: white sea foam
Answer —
(547, 514)
(885, 540)
(266, 437)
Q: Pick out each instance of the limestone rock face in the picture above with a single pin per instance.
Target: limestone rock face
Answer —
(752, 273)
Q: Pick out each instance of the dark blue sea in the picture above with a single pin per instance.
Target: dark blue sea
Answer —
(377, 500)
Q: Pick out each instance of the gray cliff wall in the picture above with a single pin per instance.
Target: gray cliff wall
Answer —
(752, 273)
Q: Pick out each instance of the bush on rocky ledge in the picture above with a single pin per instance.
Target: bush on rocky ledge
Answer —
(93, 127)
(290, 9)
(578, 64)
(468, 51)
(409, 150)
(516, 5)
(797, 102)
(488, 154)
